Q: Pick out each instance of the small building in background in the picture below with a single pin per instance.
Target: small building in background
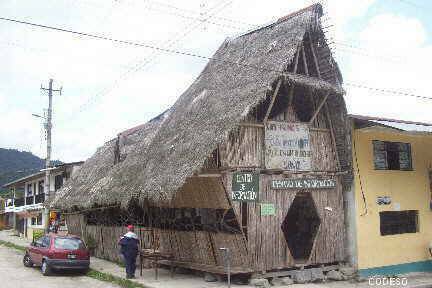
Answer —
(2, 213)
(392, 161)
(27, 211)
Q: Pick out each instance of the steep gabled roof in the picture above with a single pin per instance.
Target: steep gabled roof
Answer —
(236, 79)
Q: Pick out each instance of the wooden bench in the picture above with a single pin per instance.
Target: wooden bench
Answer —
(152, 253)
(155, 256)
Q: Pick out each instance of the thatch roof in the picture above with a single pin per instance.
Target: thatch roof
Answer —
(167, 150)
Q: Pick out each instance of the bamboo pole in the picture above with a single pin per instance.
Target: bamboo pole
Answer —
(314, 57)
(272, 100)
(323, 101)
(327, 112)
(304, 61)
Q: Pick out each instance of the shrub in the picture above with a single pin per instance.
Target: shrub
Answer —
(37, 233)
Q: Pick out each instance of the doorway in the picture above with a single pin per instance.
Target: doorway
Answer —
(300, 226)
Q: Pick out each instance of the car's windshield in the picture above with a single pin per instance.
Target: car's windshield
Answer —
(68, 243)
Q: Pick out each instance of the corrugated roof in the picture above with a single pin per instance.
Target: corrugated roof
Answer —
(402, 125)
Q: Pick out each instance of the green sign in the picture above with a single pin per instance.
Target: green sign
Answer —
(267, 209)
(245, 187)
(303, 184)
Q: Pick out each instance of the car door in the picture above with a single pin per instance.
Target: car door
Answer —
(41, 249)
(35, 251)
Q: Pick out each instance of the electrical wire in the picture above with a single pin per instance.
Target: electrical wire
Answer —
(146, 61)
(359, 177)
(388, 91)
(191, 54)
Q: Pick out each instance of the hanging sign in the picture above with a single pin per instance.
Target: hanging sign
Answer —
(287, 146)
(303, 184)
(245, 186)
(267, 209)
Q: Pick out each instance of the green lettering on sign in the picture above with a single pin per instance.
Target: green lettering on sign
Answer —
(245, 187)
(267, 209)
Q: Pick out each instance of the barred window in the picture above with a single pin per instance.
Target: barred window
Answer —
(392, 155)
(398, 222)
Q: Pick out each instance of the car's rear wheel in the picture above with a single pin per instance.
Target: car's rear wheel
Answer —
(27, 261)
(46, 270)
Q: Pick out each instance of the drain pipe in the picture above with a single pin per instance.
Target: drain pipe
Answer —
(227, 263)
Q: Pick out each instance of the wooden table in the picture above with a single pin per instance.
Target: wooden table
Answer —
(155, 256)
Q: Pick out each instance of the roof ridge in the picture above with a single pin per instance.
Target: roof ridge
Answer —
(316, 6)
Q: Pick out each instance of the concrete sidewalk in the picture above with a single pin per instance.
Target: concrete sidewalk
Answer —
(414, 280)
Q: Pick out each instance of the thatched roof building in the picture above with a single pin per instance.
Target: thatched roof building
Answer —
(153, 161)
(254, 156)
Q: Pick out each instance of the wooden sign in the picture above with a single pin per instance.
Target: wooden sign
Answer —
(267, 209)
(303, 184)
(245, 187)
(287, 146)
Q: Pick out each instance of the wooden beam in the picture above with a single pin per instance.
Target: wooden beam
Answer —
(261, 125)
(216, 175)
(296, 60)
(247, 124)
(291, 92)
(291, 95)
(272, 100)
(304, 61)
(323, 101)
(333, 137)
(314, 57)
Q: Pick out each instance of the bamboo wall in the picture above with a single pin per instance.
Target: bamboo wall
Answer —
(250, 139)
(267, 246)
(192, 249)
(243, 148)
(262, 245)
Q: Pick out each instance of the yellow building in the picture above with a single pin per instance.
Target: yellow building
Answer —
(392, 162)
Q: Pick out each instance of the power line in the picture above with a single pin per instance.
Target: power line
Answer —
(389, 91)
(170, 43)
(100, 37)
(177, 52)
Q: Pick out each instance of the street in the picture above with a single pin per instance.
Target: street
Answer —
(14, 275)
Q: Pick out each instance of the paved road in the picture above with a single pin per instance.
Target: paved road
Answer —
(14, 275)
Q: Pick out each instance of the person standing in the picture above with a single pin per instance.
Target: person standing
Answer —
(129, 249)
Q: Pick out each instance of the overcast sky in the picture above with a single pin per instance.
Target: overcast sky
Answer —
(109, 87)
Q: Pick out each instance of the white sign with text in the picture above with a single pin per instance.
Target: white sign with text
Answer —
(287, 146)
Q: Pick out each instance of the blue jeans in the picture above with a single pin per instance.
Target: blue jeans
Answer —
(130, 262)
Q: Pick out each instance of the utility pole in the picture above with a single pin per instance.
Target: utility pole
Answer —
(48, 126)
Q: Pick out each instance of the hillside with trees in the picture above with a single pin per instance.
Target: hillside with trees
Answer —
(15, 164)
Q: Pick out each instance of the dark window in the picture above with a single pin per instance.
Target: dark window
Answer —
(398, 222)
(392, 155)
(41, 186)
(68, 243)
(37, 220)
(182, 219)
(45, 240)
(29, 189)
(58, 182)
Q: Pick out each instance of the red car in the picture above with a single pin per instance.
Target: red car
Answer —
(55, 252)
